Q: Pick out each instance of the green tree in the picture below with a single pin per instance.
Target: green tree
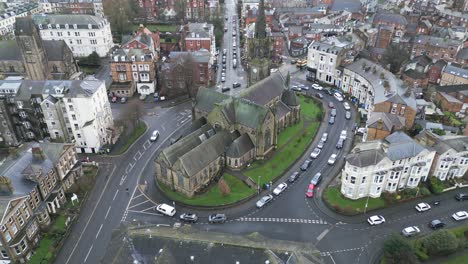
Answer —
(436, 185)
(120, 14)
(441, 242)
(416, 130)
(395, 56)
(439, 131)
(288, 80)
(397, 250)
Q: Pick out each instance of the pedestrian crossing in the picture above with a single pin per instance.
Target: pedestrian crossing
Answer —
(282, 220)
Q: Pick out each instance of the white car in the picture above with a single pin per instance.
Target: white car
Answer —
(332, 159)
(338, 96)
(265, 199)
(320, 144)
(166, 209)
(223, 79)
(317, 87)
(460, 215)
(155, 135)
(324, 137)
(280, 188)
(346, 106)
(223, 74)
(376, 220)
(343, 134)
(410, 231)
(315, 153)
(422, 207)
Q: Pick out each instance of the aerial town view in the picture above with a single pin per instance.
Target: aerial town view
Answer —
(234, 131)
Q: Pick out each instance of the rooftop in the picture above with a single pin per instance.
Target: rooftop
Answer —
(457, 71)
(69, 20)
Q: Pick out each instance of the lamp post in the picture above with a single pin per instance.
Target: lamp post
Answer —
(367, 203)
(258, 184)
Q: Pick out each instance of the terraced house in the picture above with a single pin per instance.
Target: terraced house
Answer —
(32, 190)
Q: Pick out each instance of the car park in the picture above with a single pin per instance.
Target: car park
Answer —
(346, 106)
(225, 89)
(316, 179)
(317, 86)
(236, 84)
(188, 217)
(306, 165)
(331, 121)
(154, 135)
(264, 200)
(324, 137)
(332, 159)
(460, 215)
(315, 153)
(166, 209)
(321, 144)
(410, 231)
(376, 220)
(293, 177)
(422, 207)
(280, 188)
(339, 145)
(436, 224)
(319, 95)
(461, 196)
(338, 97)
(331, 105)
(217, 218)
(310, 191)
(348, 115)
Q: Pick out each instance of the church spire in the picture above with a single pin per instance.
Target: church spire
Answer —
(260, 25)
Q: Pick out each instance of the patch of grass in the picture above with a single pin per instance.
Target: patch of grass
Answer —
(139, 130)
(89, 70)
(457, 259)
(288, 133)
(43, 253)
(154, 28)
(213, 197)
(309, 109)
(334, 199)
(59, 224)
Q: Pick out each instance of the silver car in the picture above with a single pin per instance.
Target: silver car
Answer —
(265, 199)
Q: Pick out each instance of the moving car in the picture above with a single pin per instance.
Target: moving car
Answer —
(460, 215)
(324, 137)
(315, 153)
(265, 199)
(217, 218)
(332, 159)
(310, 191)
(293, 176)
(236, 84)
(319, 95)
(436, 224)
(225, 89)
(154, 136)
(331, 105)
(338, 97)
(376, 220)
(410, 231)
(321, 144)
(280, 188)
(166, 209)
(316, 179)
(189, 217)
(348, 115)
(331, 121)
(346, 106)
(317, 87)
(306, 165)
(461, 196)
(422, 207)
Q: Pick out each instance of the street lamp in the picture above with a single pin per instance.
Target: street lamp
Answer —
(258, 184)
(367, 203)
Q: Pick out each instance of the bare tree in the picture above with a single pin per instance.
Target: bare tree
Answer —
(182, 75)
(224, 187)
(180, 7)
(131, 115)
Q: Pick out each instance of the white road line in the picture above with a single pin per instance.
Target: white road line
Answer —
(99, 231)
(163, 128)
(332, 258)
(133, 198)
(89, 251)
(133, 206)
(133, 193)
(108, 210)
(123, 179)
(149, 208)
(323, 234)
(137, 156)
(141, 212)
(115, 195)
(147, 144)
(129, 168)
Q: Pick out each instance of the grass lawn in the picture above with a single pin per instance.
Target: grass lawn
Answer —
(154, 28)
(309, 109)
(213, 197)
(42, 252)
(457, 260)
(139, 130)
(59, 223)
(288, 133)
(333, 197)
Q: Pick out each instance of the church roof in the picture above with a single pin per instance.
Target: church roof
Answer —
(9, 51)
(281, 110)
(240, 146)
(244, 112)
(24, 26)
(207, 98)
(54, 49)
(265, 90)
(289, 98)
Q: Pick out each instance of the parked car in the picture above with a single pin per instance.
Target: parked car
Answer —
(264, 200)
(376, 220)
(317, 86)
(154, 135)
(332, 159)
(280, 188)
(338, 97)
(436, 224)
(331, 105)
(343, 134)
(223, 74)
(461, 196)
(328, 91)
(189, 217)
(123, 100)
(319, 95)
(333, 112)
(321, 144)
(316, 179)
(315, 153)
(331, 121)
(361, 131)
(460, 215)
(410, 231)
(293, 176)
(296, 88)
(348, 115)
(306, 165)
(236, 84)
(310, 191)
(166, 209)
(346, 106)
(217, 218)
(324, 137)
(339, 145)
(223, 79)
(225, 89)
(422, 207)
(114, 99)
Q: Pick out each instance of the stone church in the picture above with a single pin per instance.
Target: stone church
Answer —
(227, 132)
(36, 59)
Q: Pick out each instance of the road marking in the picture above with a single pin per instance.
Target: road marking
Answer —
(133, 198)
(129, 168)
(147, 144)
(332, 259)
(123, 179)
(115, 195)
(108, 210)
(323, 234)
(141, 212)
(163, 128)
(137, 156)
(133, 206)
(99, 231)
(89, 251)
(152, 207)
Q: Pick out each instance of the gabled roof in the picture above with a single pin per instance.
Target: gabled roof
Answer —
(207, 98)
(388, 120)
(244, 112)
(55, 49)
(265, 90)
(365, 158)
(240, 146)
(459, 144)
(401, 146)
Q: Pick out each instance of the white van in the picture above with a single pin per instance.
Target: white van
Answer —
(338, 96)
(166, 209)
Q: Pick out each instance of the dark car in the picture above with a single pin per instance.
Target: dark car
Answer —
(328, 91)
(306, 165)
(236, 84)
(189, 217)
(436, 224)
(217, 218)
(293, 176)
(225, 89)
(319, 95)
(461, 196)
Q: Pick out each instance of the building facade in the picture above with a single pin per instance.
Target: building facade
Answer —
(81, 7)
(200, 36)
(15, 10)
(323, 60)
(435, 48)
(454, 75)
(84, 34)
(390, 165)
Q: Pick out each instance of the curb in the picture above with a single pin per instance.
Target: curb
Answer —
(131, 146)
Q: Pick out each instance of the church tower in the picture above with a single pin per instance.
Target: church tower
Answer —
(259, 54)
(32, 50)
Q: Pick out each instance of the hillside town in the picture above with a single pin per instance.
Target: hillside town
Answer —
(243, 131)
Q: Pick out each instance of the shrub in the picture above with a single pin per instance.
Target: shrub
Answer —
(389, 198)
(223, 187)
(409, 193)
(398, 250)
(435, 185)
(424, 191)
(441, 242)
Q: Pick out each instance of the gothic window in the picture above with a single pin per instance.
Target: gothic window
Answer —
(54, 68)
(267, 138)
(180, 180)
(12, 68)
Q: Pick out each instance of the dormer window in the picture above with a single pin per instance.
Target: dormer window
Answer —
(90, 26)
(49, 26)
(75, 26)
(57, 26)
(40, 26)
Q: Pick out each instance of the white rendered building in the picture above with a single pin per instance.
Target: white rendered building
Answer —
(8, 16)
(82, 33)
(395, 163)
(323, 60)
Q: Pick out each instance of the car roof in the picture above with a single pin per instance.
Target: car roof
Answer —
(311, 186)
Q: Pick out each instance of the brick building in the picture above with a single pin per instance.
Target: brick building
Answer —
(199, 36)
(436, 48)
(454, 74)
(452, 97)
(435, 71)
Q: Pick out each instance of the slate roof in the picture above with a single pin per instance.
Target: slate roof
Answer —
(82, 21)
(207, 98)
(389, 120)
(457, 71)
(281, 110)
(265, 90)
(143, 38)
(198, 30)
(353, 6)
(414, 74)
(452, 88)
(244, 112)
(325, 47)
(55, 49)
(24, 26)
(9, 51)
(459, 144)
(436, 41)
(390, 18)
(200, 56)
(240, 146)
(401, 146)
(365, 158)
(289, 98)
(462, 54)
(450, 98)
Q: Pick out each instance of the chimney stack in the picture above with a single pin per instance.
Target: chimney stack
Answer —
(37, 152)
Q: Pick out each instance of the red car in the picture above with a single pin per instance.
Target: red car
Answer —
(310, 191)
(331, 105)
